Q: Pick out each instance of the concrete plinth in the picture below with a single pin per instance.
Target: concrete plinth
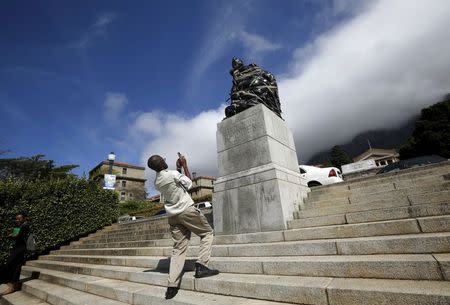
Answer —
(259, 183)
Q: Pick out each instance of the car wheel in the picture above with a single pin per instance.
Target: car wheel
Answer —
(313, 184)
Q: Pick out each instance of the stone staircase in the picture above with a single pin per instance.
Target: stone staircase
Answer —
(378, 240)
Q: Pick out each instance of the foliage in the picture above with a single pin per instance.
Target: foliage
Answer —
(133, 205)
(34, 167)
(431, 133)
(147, 212)
(203, 198)
(59, 210)
(339, 157)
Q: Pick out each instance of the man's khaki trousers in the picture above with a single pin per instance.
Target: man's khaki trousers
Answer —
(181, 226)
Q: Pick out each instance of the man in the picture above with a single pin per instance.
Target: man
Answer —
(184, 218)
(10, 272)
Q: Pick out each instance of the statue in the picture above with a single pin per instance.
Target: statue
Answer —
(182, 163)
(252, 85)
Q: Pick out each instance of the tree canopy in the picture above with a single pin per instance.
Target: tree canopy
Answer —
(339, 157)
(34, 167)
(431, 133)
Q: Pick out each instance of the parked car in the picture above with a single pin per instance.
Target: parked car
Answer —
(413, 162)
(316, 176)
(160, 212)
(203, 205)
(127, 218)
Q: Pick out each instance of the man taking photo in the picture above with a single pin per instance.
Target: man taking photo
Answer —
(184, 218)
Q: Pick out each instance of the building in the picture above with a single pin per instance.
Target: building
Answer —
(130, 179)
(382, 157)
(202, 186)
(369, 163)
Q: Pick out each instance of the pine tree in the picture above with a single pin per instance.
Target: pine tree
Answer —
(339, 157)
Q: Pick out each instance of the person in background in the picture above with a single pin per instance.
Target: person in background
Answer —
(184, 218)
(10, 272)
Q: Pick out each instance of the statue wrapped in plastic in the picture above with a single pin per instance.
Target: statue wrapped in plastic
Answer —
(252, 85)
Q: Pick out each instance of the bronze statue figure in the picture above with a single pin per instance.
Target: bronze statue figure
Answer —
(182, 164)
(252, 85)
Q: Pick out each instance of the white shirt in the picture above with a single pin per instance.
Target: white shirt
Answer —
(173, 187)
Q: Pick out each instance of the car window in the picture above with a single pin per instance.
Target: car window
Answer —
(302, 171)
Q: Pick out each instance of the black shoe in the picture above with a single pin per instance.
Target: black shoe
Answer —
(171, 292)
(203, 271)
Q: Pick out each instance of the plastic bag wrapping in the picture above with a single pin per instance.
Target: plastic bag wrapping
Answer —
(252, 85)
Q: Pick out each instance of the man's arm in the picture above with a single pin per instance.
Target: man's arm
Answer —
(183, 181)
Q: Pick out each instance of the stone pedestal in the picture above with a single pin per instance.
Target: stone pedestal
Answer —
(259, 183)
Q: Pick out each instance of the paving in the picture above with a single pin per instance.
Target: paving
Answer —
(378, 240)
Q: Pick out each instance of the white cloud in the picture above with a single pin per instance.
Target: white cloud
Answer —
(373, 71)
(114, 104)
(255, 44)
(95, 30)
(147, 123)
(194, 137)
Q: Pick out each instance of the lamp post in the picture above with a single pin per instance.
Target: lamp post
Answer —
(111, 158)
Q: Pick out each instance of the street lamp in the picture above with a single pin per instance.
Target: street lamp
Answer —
(111, 158)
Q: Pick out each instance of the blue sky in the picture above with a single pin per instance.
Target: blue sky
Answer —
(79, 79)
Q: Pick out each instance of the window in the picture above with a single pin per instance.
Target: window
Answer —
(302, 171)
(124, 183)
(131, 195)
(124, 171)
(122, 195)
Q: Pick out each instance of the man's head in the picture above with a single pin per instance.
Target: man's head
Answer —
(179, 155)
(157, 163)
(20, 218)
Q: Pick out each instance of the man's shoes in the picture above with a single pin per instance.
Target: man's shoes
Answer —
(203, 271)
(171, 292)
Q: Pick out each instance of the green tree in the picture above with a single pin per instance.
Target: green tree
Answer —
(339, 157)
(34, 167)
(431, 133)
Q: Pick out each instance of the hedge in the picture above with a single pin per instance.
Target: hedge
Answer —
(58, 210)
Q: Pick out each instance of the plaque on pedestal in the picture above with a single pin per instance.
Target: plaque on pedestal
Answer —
(259, 183)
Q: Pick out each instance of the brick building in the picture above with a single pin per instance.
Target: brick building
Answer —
(201, 186)
(130, 179)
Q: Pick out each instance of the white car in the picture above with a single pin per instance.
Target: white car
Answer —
(316, 176)
(203, 205)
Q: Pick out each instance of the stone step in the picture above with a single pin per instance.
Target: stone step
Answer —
(390, 213)
(143, 243)
(61, 295)
(293, 289)
(403, 176)
(21, 298)
(412, 173)
(129, 238)
(289, 289)
(404, 266)
(135, 292)
(379, 228)
(391, 244)
(417, 199)
(362, 198)
(130, 235)
(416, 182)
(165, 229)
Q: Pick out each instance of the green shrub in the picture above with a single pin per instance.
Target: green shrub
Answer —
(58, 210)
(148, 212)
(133, 205)
(203, 198)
